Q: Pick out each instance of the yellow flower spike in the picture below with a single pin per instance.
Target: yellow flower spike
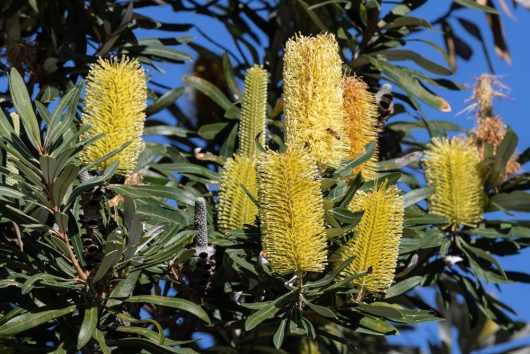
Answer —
(10, 166)
(313, 102)
(376, 241)
(291, 211)
(452, 168)
(253, 111)
(115, 101)
(361, 122)
(235, 206)
(308, 346)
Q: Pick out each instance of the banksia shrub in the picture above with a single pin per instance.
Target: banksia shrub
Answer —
(253, 111)
(291, 211)
(452, 169)
(361, 123)
(376, 241)
(235, 206)
(115, 101)
(313, 106)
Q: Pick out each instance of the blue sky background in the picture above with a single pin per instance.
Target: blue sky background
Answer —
(513, 110)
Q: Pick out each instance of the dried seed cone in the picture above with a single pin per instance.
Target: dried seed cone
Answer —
(361, 122)
(253, 111)
(376, 241)
(292, 214)
(115, 101)
(452, 168)
(491, 130)
(313, 103)
(235, 206)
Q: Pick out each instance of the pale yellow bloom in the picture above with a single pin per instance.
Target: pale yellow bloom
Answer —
(376, 240)
(452, 169)
(115, 101)
(313, 102)
(291, 211)
(360, 123)
(253, 111)
(235, 206)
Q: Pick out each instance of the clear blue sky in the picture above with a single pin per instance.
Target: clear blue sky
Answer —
(513, 110)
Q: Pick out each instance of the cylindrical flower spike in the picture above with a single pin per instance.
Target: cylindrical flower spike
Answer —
(115, 101)
(235, 206)
(291, 211)
(253, 111)
(376, 241)
(361, 122)
(308, 346)
(313, 102)
(10, 166)
(452, 169)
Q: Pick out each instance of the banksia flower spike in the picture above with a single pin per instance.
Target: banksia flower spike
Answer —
(10, 166)
(376, 241)
(361, 122)
(308, 346)
(115, 101)
(452, 168)
(253, 111)
(291, 211)
(313, 103)
(235, 206)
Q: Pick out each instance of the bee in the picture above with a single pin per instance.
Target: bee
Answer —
(333, 133)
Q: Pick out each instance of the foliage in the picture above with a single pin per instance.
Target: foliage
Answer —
(92, 261)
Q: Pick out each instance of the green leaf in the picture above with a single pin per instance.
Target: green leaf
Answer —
(64, 182)
(515, 201)
(416, 196)
(149, 346)
(209, 90)
(229, 76)
(377, 326)
(427, 219)
(403, 286)
(166, 53)
(176, 303)
(8, 192)
(321, 310)
(88, 326)
(410, 84)
(30, 320)
(346, 216)
(57, 126)
(346, 170)
(22, 103)
(114, 246)
(210, 131)
(472, 4)
(124, 288)
(164, 101)
(401, 54)
(329, 277)
(265, 312)
(6, 130)
(277, 339)
(100, 338)
(166, 130)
